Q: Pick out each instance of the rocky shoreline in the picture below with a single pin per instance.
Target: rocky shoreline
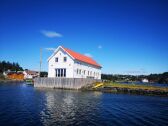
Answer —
(124, 90)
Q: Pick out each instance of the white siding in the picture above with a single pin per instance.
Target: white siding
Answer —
(68, 65)
(72, 66)
(84, 68)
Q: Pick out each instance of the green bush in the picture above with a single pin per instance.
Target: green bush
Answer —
(2, 76)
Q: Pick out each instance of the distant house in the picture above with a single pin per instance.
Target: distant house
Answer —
(29, 74)
(145, 80)
(15, 75)
(67, 63)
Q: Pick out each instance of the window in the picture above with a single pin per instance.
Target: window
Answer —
(56, 59)
(64, 72)
(56, 72)
(79, 71)
(84, 72)
(60, 72)
(65, 59)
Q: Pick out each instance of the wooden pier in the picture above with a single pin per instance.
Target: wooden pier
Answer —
(64, 83)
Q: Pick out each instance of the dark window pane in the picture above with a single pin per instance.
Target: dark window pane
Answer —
(64, 72)
(61, 72)
(56, 59)
(65, 59)
(58, 72)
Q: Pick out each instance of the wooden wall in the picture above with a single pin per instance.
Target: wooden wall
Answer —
(15, 76)
(65, 83)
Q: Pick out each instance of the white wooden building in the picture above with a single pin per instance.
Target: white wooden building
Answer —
(30, 74)
(67, 63)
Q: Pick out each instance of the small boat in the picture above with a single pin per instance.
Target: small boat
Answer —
(29, 81)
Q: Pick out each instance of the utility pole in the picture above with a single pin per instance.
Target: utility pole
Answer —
(40, 60)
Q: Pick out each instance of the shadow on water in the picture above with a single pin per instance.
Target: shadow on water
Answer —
(21, 104)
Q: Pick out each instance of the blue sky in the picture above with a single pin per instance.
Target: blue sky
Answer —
(124, 36)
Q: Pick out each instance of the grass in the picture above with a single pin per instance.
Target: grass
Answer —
(130, 86)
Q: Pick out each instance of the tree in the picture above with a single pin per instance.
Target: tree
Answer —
(43, 74)
(4, 66)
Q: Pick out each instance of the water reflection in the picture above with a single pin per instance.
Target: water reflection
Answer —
(65, 107)
(26, 105)
(69, 107)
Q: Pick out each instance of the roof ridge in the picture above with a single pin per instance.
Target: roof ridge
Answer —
(81, 57)
(78, 53)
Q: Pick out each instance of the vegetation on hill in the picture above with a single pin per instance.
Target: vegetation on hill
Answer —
(156, 78)
(6, 65)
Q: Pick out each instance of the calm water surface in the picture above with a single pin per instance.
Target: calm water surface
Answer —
(22, 105)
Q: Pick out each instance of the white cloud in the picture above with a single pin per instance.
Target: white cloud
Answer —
(99, 47)
(88, 54)
(51, 34)
(50, 49)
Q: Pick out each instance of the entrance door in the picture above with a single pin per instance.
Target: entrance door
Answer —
(60, 72)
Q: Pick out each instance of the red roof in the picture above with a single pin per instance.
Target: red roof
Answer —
(81, 57)
(31, 72)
